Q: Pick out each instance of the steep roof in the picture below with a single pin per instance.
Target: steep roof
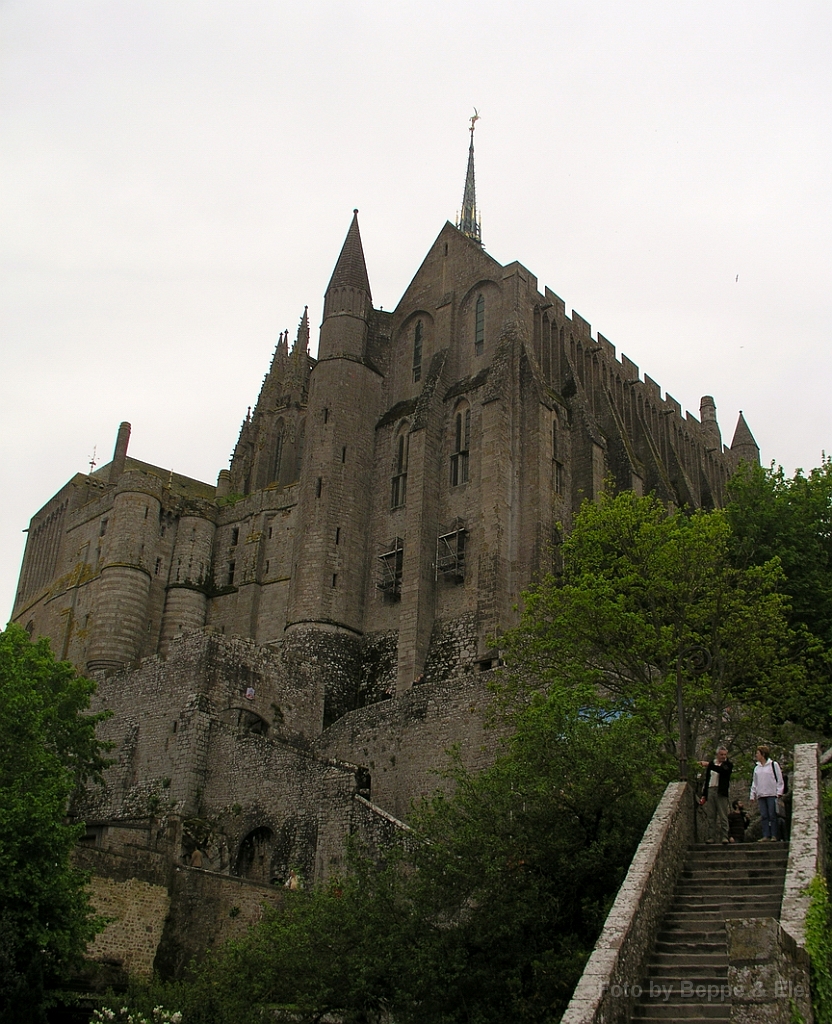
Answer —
(351, 270)
(743, 438)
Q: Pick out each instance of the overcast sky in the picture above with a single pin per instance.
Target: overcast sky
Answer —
(178, 176)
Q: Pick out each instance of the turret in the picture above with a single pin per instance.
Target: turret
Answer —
(710, 426)
(347, 302)
(329, 578)
(743, 447)
(129, 536)
(185, 601)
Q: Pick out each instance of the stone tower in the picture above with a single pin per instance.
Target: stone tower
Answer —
(328, 589)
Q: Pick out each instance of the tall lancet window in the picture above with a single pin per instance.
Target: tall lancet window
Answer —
(460, 445)
(417, 352)
(479, 326)
(278, 451)
(398, 492)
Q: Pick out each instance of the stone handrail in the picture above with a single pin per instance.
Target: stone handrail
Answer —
(806, 844)
(604, 993)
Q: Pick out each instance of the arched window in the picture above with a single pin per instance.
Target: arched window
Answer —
(278, 451)
(398, 491)
(417, 352)
(301, 435)
(461, 443)
(479, 326)
(557, 464)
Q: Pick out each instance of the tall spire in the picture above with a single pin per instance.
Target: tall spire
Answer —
(468, 223)
(351, 270)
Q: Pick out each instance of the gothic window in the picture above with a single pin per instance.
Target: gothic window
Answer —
(417, 352)
(301, 435)
(398, 493)
(557, 464)
(278, 451)
(479, 326)
(460, 445)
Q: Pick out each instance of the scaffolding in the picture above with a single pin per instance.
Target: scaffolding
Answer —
(450, 552)
(390, 570)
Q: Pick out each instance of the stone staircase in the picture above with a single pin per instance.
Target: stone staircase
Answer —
(686, 975)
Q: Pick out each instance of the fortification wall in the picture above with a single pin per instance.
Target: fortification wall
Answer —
(403, 742)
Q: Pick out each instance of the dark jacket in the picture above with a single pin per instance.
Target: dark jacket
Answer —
(724, 771)
(738, 822)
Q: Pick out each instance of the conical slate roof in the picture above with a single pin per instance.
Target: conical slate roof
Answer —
(351, 270)
(743, 438)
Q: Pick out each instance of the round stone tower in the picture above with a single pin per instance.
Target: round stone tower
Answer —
(185, 599)
(129, 540)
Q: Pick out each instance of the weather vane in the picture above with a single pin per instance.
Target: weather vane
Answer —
(473, 121)
(93, 462)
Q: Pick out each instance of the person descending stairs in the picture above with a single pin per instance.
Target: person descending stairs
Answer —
(686, 975)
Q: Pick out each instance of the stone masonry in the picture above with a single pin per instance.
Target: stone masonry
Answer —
(301, 642)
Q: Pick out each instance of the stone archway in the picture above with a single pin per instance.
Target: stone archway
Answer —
(255, 856)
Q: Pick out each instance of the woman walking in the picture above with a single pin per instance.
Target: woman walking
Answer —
(767, 786)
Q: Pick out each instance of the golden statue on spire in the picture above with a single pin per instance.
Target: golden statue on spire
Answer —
(473, 121)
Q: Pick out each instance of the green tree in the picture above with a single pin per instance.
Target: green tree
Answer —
(774, 516)
(47, 748)
(651, 601)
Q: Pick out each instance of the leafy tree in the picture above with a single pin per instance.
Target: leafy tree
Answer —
(774, 516)
(650, 602)
(47, 748)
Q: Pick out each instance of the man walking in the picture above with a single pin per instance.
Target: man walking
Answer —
(715, 795)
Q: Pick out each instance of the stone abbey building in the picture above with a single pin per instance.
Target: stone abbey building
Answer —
(289, 652)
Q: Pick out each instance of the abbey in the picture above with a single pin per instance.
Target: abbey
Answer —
(289, 652)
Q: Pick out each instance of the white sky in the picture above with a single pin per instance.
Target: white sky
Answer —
(178, 176)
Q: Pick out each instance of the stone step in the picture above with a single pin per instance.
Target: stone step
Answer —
(686, 973)
(692, 919)
(689, 1010)
(684, 944)
(716, 970)
(735, 887)
(706, 931)
(728, 876)
(739, 853)
(683, 961)
(730, 883)
(769, 895)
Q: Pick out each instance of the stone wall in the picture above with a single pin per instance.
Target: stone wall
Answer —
(768, 972)
(404, 743)
(137, 912)
(807, 856)
(602, 995)
(206, 910)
